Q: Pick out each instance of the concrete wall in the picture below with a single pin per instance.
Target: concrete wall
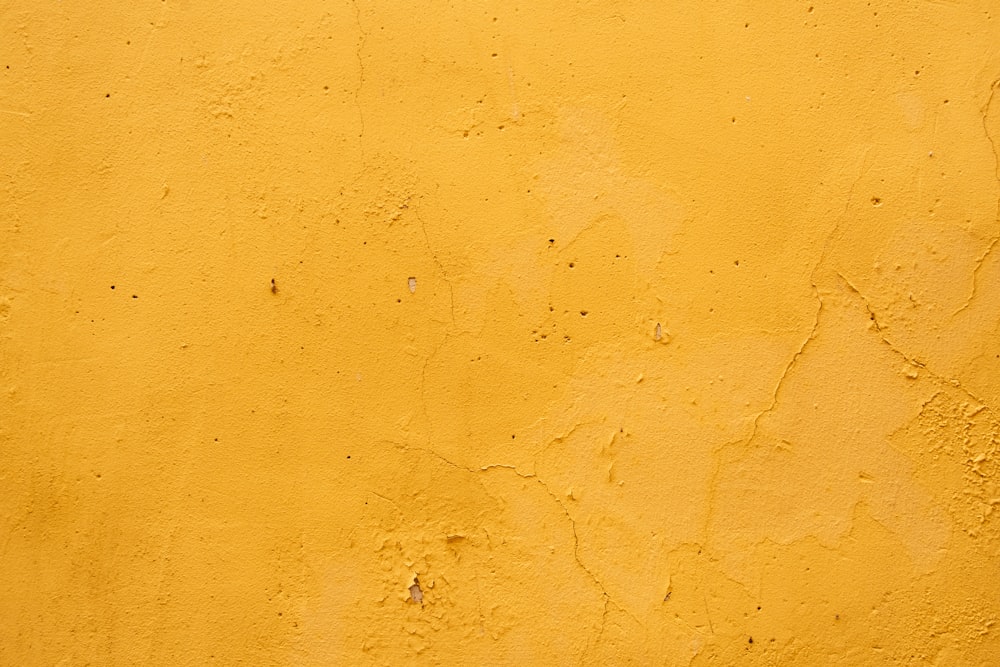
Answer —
(499, 333)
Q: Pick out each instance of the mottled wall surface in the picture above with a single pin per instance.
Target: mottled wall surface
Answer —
(499, 333)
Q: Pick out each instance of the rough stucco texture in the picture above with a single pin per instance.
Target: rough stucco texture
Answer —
(500, 333)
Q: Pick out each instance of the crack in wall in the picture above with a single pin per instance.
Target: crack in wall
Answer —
(985, 112)
(154, 26)
(784, 374)
(559, 439)
(447, 334)
(748, 441)
(362, 40)
(437, 262)
(843, 214)
(828, 242)
(423, 382)
(940, 379)
(606, 597)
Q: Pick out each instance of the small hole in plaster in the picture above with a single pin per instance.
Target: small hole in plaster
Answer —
(412, 282)
(572, 264)
(583, 313)
(416, 594)
(876, 201)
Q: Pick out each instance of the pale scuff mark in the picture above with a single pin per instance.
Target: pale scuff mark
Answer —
(515, 110)
(412, 283)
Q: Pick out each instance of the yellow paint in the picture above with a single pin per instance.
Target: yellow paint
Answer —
(500, 333)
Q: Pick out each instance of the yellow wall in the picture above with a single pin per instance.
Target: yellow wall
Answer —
(699, 363)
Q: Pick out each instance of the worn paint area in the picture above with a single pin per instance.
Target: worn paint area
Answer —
(385, 333)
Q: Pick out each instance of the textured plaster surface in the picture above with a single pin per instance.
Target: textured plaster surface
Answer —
(384, 333)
